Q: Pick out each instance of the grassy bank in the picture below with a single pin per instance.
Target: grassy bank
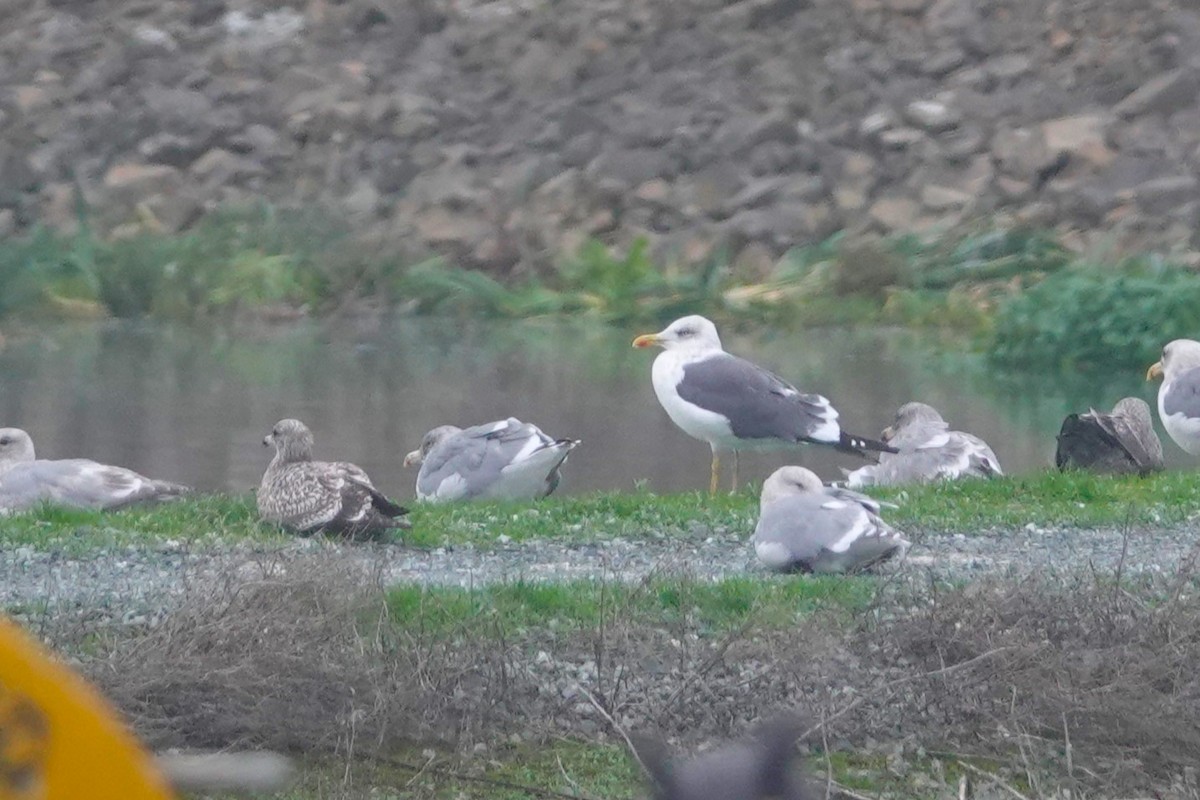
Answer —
(1020, 296)
(1044, 499)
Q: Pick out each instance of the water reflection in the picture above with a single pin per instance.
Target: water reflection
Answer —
(192, 405)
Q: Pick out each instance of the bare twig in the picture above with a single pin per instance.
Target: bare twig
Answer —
(992, 779)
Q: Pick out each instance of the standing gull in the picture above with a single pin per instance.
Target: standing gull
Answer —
(26, 480)
(928, 451)
(309, 496)
(734, 404)
(505, 460)
(1179, 395)
(806, 526)
(1117, 443)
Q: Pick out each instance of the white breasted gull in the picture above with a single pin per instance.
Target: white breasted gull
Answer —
(502, 460)
(26, 480)
(309, 496)
(1117, 443)
(734, 404)
(1179, 395)
(928, 451)
(806, 526)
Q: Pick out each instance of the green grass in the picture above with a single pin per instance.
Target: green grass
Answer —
(1047, 498)
(711, 606)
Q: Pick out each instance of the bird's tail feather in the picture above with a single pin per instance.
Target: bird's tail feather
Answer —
(861, 445)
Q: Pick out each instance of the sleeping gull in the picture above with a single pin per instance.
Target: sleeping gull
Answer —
(763, 766)
(308, 496)
(734, 404)
(26, 480)
(1179, 395)
(929, 451)
(505, 460)
(1118, 443)
(807, 526)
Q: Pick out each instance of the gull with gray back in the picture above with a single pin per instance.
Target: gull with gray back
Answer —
(307, 496)
(502, 460)
(26, 480)
(1117, 443)
(1179, 395)
(928, 451)
(763, 766)
(805, 526)
(734, 404)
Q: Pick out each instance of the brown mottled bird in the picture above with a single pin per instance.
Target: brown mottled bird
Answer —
(760, 767)
(309, 496)
(1117, 443)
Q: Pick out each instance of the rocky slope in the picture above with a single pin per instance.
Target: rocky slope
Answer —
(503, 133)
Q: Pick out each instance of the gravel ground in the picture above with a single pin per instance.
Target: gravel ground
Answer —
(130, 583)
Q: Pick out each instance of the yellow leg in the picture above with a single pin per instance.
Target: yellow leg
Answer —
(716, 473)
(733, 487)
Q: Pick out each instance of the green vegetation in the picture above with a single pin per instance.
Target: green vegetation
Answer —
(662, 600)
(1046, 499)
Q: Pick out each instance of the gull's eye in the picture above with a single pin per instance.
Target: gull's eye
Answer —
(4, 440)
(683, 333)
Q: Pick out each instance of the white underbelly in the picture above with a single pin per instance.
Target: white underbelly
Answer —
(700, 423)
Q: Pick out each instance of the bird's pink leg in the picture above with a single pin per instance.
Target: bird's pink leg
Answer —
(733, 487)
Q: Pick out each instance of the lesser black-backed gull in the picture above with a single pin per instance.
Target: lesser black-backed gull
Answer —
(928, 451)
(309, 496)
(26, 480)
(763, 766)
(1118, 443)
(505, 460)
(734, 404)
(1179, 395)
(806, 526)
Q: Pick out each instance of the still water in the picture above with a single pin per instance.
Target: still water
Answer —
(192, 405)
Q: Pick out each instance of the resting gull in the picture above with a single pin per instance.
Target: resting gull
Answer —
(309, 496)
(806, 526)
(1179, 395)
(26, 480)
(1117, 443)
(734, 404)
(929, 451)
(763, 766)
(503, 460)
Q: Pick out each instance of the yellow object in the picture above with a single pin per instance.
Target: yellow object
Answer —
(1155, 371)
(59, 740)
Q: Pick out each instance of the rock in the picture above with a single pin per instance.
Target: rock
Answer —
(628, 168)
(1080, 137)
(219, 166)
(876, 123)
(1162, 195)
(180, 110)
(1008, 67)
(901, 138)
(8, 222)
(931, 115)
(894, 213)
(171, 149)
(130, 181)
(1020, 152)
(943, 198)
(1165, 93)
(758, 192)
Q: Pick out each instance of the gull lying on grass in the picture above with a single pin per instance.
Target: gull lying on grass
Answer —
(26, 480)
(1117, 443)
(734, 404)
(806, 526)
(928, 451)
(502, 460)
(1179, 395)
(309, 496)
(764, 766)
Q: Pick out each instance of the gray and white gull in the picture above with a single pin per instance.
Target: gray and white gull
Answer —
(26, 480)
(502, 460)
(1120, 442)
(806, 526)
(927, 451)
(734, 404)
(1179, 395)
(308, 496)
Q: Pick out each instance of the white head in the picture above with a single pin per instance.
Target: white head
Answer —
(693, 334)
(912, 416)
(789, 481)
(15, 447)
(292, 439)
(430, 441)
(1177, 358)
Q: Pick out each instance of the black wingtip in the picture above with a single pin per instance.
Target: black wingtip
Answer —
(861, 445)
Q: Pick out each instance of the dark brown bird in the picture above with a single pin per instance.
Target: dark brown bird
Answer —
(762, 766)
(1118, 443)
